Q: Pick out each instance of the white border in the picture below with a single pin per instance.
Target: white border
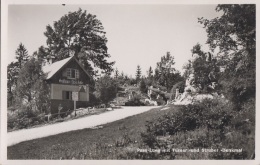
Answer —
(4, 28)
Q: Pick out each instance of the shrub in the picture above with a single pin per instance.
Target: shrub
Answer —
(180, 85)
(106, 89)
(208, 124)
(93, 100)
(214, 115)
(135, 101)
(24, 118)
(160, 101)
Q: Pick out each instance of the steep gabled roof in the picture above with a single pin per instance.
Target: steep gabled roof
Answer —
(53, 68)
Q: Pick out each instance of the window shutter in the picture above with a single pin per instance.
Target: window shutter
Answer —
(63, 95)
(70, 95)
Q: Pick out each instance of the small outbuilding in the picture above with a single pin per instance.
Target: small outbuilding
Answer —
(69, 82)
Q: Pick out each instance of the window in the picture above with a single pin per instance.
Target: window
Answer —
(66, 95)
(72, 73)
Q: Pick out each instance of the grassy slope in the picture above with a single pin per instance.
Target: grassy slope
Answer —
(107, 143)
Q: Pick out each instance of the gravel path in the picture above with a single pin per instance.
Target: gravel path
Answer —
(81, 123)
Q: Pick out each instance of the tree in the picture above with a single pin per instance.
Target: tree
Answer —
(43, 55)
(121, 78)
(233, 36)
(122, 75)
(142, 86)
(165, 73)
(187, 69)
(12, 76)
(180, 86)
(105, 89)
(150, 72)
(21, 55)
(204, 68)
(116, 73)
(31, 88)
(138, 73)
(81, 34)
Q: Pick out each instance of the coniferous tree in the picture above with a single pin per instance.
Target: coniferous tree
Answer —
(21, 55)
(142, 86)
(150, 72)
(116, 73)
(13, 69)
(138, 73)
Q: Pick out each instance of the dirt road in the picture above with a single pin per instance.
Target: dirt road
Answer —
(81, 123)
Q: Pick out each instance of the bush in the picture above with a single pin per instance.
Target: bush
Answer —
(24, 118)
(209, 124)
(93, 100)
(180, 85)
(160, 101)
(106, 89)
(135, 101)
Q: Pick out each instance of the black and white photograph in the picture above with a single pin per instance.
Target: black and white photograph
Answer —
(128, 81)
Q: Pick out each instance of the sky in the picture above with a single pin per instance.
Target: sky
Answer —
(137, 34)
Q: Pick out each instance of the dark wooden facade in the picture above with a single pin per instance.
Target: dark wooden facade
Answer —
(61, 84)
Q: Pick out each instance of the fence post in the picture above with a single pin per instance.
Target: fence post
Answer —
(75, 107)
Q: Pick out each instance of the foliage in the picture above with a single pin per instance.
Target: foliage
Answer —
(142, 86)
(135, 101)
(116, 140)
(233, 36)
(187, 67)
(24, 118)
(122, 78)
(106, 89)
(161, 100)
(165, 73)
(205, 68)
(179, 85)
(82, 34)
(12, 76)
(217, 123)
(116, 73)
(21, 55)
(42, 54)
(138, 73)
(209, 124)
(150, 72)
(31, 88)
(93, 99)
(126, 139)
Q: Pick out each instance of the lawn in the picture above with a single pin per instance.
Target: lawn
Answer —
(112, 141)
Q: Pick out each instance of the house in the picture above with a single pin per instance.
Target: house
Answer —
(69, 82)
